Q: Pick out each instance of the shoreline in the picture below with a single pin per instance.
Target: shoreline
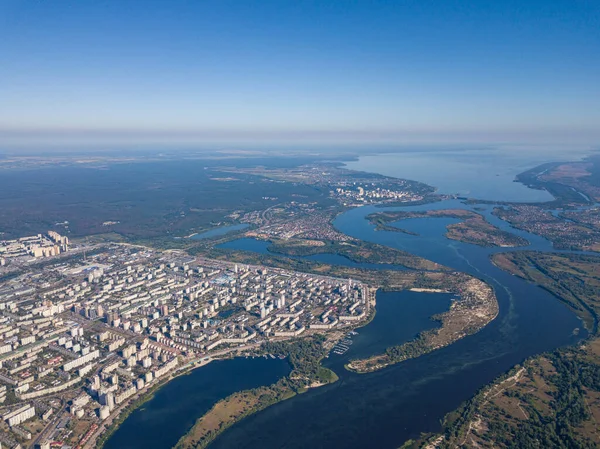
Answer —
(472, 227)
(480, 302)
(224, 425)
(103, 433)
(532, 391)
(242, 404)
(145, 396)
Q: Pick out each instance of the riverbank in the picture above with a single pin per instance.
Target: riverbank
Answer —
(108, 427)
(111, 425)
(304, 356)
(570, 277)
(550, 399)
(175, 405)
(231, 409)
(236, 406)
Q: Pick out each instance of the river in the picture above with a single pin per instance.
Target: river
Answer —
(385, 408)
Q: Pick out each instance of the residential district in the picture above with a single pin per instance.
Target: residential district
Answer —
(371, 194)
(83, 336)
(39, 245)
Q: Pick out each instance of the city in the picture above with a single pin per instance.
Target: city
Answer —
(299, 224)
(82, 338)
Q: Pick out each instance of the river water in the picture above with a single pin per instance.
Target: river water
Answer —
(174, 409)
(385, 408)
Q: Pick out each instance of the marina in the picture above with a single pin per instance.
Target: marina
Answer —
(344, 344)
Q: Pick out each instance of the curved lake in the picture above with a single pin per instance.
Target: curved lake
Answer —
(385, 408)
(175, 407)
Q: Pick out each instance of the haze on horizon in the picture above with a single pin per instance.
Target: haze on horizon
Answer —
(242, 72)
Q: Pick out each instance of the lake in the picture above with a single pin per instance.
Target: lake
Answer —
(477, 173)
(174, 409)
(219, 231)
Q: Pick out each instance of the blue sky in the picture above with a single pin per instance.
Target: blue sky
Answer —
(343, 71)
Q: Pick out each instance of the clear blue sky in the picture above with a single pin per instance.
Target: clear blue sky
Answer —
(258, 70)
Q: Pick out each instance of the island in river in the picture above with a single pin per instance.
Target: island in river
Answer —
(472, 227)
(357, 251)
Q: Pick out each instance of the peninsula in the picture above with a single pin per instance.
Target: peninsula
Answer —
(304, 356)
(550, 397)
(473, 309)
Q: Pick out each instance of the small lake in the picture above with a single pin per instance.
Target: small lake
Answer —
(219, 231)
